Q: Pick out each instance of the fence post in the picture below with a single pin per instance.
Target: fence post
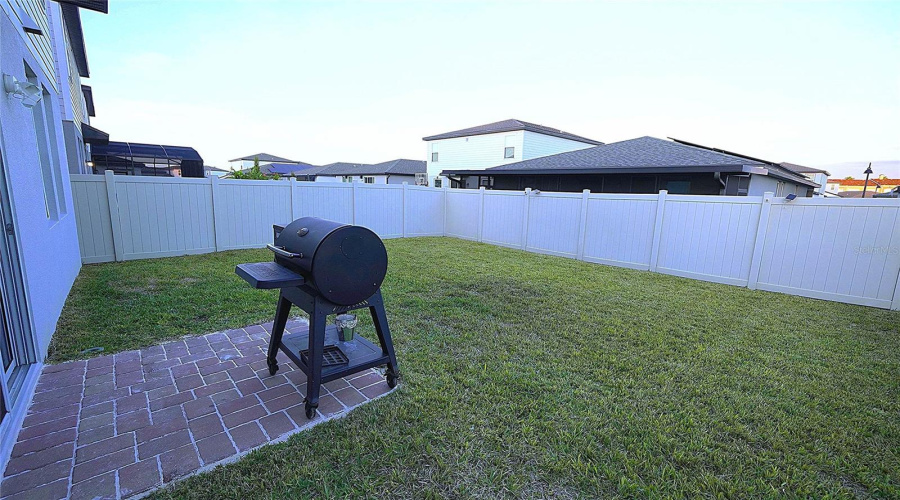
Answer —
(761, 230)
(582, 224)
(295, 210)
(446, 191)
(525, 218)
(353, 201)
(481, 213)
(115, 223)
(403, 209)
(657, 230)
(217, 205)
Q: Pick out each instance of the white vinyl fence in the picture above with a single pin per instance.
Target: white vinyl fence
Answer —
(846, 250)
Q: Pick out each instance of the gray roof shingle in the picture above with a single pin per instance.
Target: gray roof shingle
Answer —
(392, 167)
(265, 157)
(644, 153)
(510, 126)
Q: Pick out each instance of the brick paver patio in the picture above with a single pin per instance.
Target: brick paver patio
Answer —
(121, 425)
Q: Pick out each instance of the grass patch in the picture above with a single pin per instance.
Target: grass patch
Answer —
(536, 376)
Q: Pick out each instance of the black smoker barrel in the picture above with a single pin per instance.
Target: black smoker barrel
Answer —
(326, 268)
(345, 263)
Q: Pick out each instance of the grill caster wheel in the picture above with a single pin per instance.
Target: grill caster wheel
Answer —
(391, 379)
(311, 411)
(273, 367)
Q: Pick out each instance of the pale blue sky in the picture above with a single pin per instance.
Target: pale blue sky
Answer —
(811, 83)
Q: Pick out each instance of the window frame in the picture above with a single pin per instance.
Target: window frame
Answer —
(434, 157)
(509, 152)
(368, 179)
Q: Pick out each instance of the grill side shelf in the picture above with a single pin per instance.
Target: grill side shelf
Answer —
(268, 275)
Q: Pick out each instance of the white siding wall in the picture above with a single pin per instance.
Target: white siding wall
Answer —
(473, 152)
(379, 179)
(536, 145)
(40, 46)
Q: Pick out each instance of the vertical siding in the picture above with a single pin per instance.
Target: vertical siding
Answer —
(332, 201)
(379, 207)
(425, 211)
(709, 237)
(619, 230)
(844, 250)
(463, 210)
(504, 216)
(553, 220)
(92, 218)
(164, 217)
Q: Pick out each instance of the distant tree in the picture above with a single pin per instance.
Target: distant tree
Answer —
(848, 178)
(254, 173)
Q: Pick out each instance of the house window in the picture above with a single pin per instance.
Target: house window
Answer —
(779, 189)
(347, 178)
(48, 157)
(509, 152)
(437, 182)
(434, 157)
(369, 179)
(421, 179)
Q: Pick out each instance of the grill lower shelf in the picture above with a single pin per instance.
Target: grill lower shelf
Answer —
(360, 354)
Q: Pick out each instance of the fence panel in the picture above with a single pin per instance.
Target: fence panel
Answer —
(843, 250)
(424, 210)
(248, 211)
(164, 217)
(709, 237)
(504, 216)
(553, 220)
(619, 230)
(463, 211)
(332, 201)
(95, 236)
(380, 208)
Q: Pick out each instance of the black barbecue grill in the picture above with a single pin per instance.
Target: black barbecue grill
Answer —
(325, 267)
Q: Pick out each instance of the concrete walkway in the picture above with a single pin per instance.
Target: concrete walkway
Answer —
(122, 425)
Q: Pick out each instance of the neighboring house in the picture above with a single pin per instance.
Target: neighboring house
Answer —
(390, 172)
(42, 118)
(642, 165)
(853, 188)
(499, 143)
(246, 162)
(212, 171)
(816, 175)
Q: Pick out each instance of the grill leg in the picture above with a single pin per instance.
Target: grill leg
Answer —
(282, 311)
(376, 308)
(316, 350)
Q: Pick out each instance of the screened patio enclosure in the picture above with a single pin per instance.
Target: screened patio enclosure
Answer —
(131, 158)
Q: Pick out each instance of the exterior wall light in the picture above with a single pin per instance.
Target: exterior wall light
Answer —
(28, 92)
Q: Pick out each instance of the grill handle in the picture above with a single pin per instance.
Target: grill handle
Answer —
(284, 253)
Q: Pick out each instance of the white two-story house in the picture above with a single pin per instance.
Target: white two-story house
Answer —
(494, 144)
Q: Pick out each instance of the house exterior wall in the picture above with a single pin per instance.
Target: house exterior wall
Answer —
(46, 246)
(487, 150)
(760, 184)
(379, 179)
(536, 145)
(40, 46)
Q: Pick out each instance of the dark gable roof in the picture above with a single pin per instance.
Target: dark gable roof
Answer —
(510, 126)
(72, 20)
(641, 155)
(392, 167)
(633, 153)
(800, 169)
(775, 169)
(266, 157)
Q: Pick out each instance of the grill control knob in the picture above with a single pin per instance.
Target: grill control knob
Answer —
(303, 231)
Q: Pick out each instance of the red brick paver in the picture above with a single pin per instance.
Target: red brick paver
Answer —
(122, 425)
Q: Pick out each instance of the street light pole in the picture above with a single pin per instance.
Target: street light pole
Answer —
(868, 172)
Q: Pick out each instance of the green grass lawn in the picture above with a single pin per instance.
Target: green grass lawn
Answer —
(534, 376)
